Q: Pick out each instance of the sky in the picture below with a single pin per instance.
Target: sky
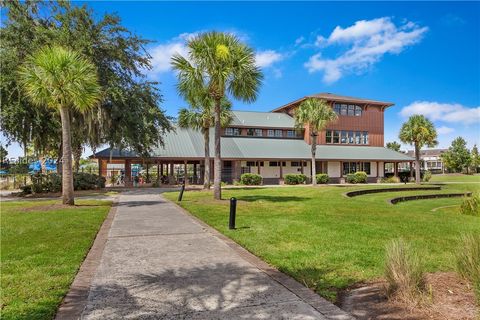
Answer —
(422, 56)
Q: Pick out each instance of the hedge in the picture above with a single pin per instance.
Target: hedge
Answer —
(322, 178)
(357, 177)
(251, 179)
(43, 183)
(293, 178)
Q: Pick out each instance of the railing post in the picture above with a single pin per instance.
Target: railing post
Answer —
(233, 213)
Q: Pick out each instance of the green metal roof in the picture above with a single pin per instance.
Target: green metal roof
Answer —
(188, 144)
(262, 119)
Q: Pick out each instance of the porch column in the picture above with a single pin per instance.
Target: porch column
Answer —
(100, 167)
(185, 174)
(281, 169)
(341, 169)
(171, 175)
(148, 174)
(158, 171)
(395, 169)
(128, 173)
(411, 169)
(301, 167)
(378, 168)
(195, 173)
(258, 167)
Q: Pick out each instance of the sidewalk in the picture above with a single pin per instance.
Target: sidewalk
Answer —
(160, 263)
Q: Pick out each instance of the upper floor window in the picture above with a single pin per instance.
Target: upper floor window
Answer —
(346, 137)
(347, 109)
(232, 131)
(254, 132)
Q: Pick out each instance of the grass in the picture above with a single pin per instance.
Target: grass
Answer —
(42, 247)
(328, 241)
(455, 177)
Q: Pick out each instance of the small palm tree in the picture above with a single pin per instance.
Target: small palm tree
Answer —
(418, 131)
(60, 78)
(314, 115)
(201, 117)
(221, 63)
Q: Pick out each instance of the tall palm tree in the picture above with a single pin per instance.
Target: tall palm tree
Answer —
(314, 115)
(60, 78)
(201, 117)
(224, 65)
(418, 131)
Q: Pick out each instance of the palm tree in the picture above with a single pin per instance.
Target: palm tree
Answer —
(201, 117)
(314, 114)
(60, 78)
(224, 65)
(418, 131)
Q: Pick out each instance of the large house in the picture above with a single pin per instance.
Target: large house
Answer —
(268, 143)
(431, 159)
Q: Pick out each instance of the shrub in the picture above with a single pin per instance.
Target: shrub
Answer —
(403, 271)
(251, 179)
(322, 178)
(42, 183)
(293, 178)
(427, 175)
(468, 260)
(361, 177)
(390, 180)
(471, 205)
(87, 181)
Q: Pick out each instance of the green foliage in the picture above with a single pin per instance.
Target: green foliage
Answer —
(3, 153)
(357, 177)
(251, 179)
(468, 260)
(295, 178)
(427, 175)
(403, 271)
(395, 146)
(315, 114)
(322, 178)
(88, 181)
(391, 179)
(475, 159)
(471, 205)
(418, 131)
(43, 183)
(457, 158)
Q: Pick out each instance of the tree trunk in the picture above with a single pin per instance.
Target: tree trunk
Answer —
(217, 173)
(417, 164)
(67, 174)
(77, 154)
(206, 174)
(314, 164)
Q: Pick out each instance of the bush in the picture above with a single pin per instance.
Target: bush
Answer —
(251, 179)
(293, 178)
(357, 177)
(427, 175)
(468, 260)
(350, 178)
(390, 180)
(471, 205)
(403, 271)
(322, 178)
(87, 181)
(43, 183)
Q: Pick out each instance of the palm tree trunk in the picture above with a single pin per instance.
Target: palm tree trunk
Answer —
(314, 165)
(67, 175)
(417, 164)
(206, 175)
(77, 154)
(217, 173)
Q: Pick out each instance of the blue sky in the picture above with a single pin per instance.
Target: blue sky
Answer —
(424, 57)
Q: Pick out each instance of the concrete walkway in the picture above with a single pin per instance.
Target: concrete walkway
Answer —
(160, 263)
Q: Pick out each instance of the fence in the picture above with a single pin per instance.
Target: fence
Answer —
(14, 181)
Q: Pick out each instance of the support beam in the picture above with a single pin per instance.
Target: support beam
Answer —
(100, 167)
(378, 169)
(301, 167)
(258, 167)
(128, 173)
(395, 169)
(411, 169)
(195, 173)
(185, 173)
(158, 172)
(281, 169)
(148, 174)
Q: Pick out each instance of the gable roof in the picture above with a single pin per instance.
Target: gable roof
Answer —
(262, 119)
(189, 144)
(336, 98)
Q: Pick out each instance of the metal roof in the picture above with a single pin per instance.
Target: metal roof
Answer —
(188, 144)
(262, 119)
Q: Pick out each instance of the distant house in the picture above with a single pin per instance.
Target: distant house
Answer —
(430, 159)
(268, 143)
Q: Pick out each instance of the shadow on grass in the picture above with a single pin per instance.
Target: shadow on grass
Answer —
(271, 198)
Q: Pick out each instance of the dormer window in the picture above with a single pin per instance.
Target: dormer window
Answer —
(347, 109)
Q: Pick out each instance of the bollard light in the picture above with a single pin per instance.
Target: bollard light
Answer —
(233, 213)
(180, 195)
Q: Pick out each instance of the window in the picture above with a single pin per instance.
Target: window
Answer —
(351, 138)
(277, 163)
(352, 167)
(347, 110)
(344, 138)
(344, 110)
(358, 137)
(254, 132)
(278, 133)
(254, 163)
(358, 111)
(298, 164)
(271, 133)
(365, 137)
(291, 134)
(329, 136)
(232, 131)
(336, 108)
(351, 110)
(336, 136)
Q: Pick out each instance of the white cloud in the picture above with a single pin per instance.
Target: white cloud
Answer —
(444, 130)
(267, 58)
(368, 41)
(446, 112)
(299, 40)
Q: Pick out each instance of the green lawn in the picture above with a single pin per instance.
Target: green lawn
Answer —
(328, 241)
(455, 178)
(41, 251)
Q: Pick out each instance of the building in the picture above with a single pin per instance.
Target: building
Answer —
(430, 159)
(268, 143)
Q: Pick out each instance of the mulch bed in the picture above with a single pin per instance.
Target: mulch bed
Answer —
(449, 297)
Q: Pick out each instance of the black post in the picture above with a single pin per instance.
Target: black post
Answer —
(233, 212)
(180, 195)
